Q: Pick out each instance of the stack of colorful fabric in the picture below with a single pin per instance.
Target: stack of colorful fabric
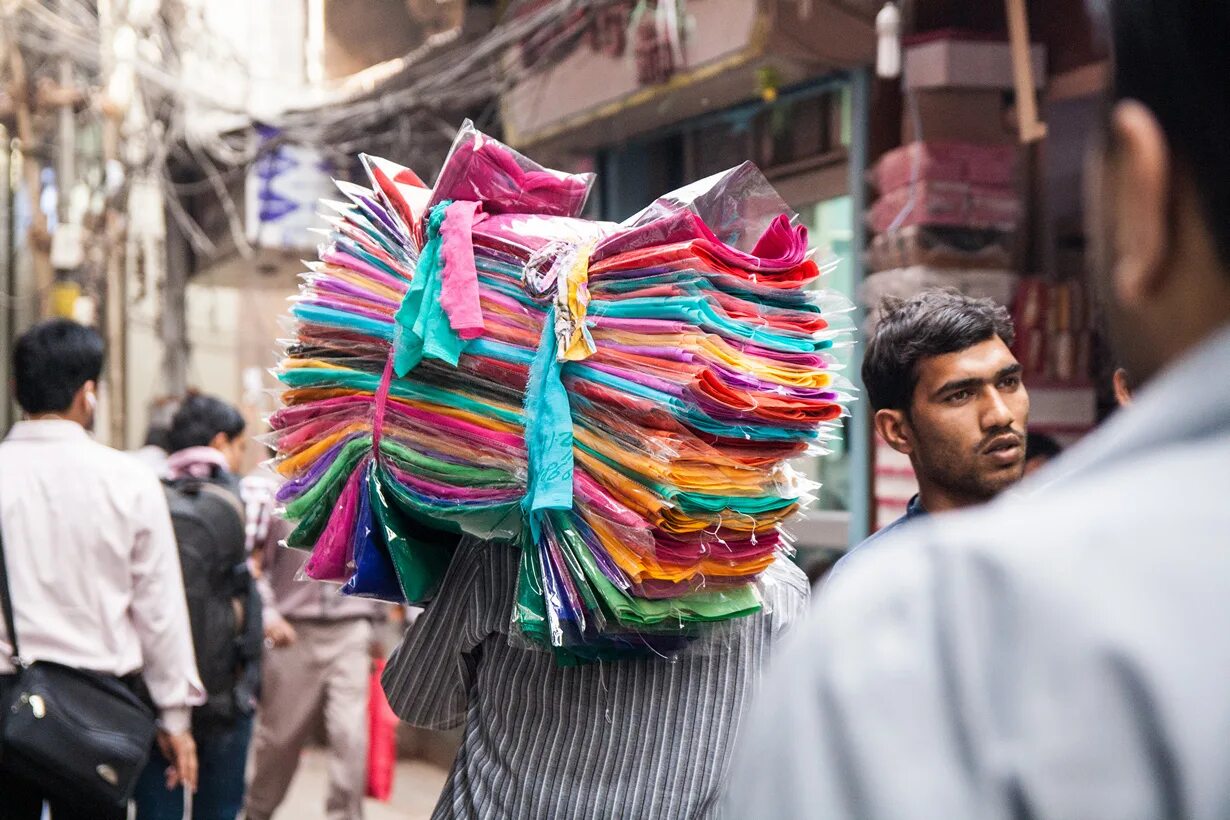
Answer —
(621, 401)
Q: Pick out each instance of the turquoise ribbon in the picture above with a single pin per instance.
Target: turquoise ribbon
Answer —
(422, 330)
(548, 433)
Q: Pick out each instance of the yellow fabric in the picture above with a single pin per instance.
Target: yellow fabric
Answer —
(572, 303)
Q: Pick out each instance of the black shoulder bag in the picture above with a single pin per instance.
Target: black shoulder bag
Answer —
(80, 735)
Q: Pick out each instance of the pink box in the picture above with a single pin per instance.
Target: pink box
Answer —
(947, 162)
(959, 204)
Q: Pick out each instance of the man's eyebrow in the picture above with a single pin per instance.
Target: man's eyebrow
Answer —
(958, 384)
(970, 383)
(1014, 369)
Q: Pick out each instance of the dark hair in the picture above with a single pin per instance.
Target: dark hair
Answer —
(199, 419)
(1171, 56)
(932, 323)
(159, 437)
(51, 363)
(1040, 445)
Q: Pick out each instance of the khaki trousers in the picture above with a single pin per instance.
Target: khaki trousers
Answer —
(324, 673)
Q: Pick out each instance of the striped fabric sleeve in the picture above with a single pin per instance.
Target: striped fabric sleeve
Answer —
(429, 674)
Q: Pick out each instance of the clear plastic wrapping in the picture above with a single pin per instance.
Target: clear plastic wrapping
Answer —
(709, 365)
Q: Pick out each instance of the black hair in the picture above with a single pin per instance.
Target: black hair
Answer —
(1171, 56)
(51, 363)
(932, 323)
(159, 437)
(199, 419)
(1040, 445)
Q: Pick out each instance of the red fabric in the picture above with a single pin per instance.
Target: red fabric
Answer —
(382, 739)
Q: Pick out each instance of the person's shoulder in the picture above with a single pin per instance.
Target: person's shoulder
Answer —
(119, 469)
(1106, 527)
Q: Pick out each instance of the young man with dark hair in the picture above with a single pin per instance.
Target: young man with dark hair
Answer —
(90, 555)
(206, 439)
(946, 391)
(1063, 652)
(206, 436)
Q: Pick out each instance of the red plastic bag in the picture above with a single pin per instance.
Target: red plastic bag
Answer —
(382, 738)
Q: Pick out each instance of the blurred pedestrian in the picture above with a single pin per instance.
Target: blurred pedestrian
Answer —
(946, 391)
(648, 737)
(1063, 652)
(206, 439)
(317, 666)
(157, 445)
(90, 555)
(1040, 450)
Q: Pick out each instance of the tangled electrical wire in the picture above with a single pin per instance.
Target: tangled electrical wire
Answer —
(409, 111)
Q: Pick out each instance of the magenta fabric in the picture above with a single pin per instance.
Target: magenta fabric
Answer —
(334, 550)
(459, 276)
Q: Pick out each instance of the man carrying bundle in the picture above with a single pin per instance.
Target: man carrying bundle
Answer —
(647, 737)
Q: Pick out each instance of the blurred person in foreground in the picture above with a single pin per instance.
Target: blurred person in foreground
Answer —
(1060, 653)
(91, 558)
(946, 391)
(317, 665)
(1040, 450)
(206, 442)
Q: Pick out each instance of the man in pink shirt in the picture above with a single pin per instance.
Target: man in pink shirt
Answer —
(92, 564)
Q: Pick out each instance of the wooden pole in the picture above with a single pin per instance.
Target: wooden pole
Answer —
(1030, 127)
(116, 279)
(39, 238)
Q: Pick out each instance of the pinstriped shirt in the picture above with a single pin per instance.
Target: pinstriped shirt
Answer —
(641, 738)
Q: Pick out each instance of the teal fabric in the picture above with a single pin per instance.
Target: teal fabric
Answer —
(422, 329)
(548, 432)
(332, 317)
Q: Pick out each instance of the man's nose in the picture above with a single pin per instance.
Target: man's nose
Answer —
(996, 412)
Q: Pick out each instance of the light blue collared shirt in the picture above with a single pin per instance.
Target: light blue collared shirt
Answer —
(1060, 653)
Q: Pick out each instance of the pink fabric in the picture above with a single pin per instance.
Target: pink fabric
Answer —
(459, 277)
(781, 247)
(195, 462)
(334, 551)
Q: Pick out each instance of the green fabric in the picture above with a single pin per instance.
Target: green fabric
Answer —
(423, 330)
(420, 563)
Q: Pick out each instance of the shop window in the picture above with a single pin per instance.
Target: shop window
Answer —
(830, 225)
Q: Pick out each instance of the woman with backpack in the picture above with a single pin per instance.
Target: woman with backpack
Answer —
(202, 486)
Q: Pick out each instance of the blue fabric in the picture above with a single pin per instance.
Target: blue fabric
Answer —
(222, 753)
(548, 432)
(375, 575)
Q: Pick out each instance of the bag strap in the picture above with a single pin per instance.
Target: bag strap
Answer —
(6, 601)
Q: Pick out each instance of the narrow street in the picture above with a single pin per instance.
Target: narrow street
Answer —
(414, 793)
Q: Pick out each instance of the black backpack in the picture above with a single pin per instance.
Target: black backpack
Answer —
(223, 602)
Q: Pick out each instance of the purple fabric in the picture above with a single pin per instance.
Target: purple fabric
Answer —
(669, 353)
(670, 388)
(296, 486)
(338, 286)
(334, 256)
(348, 307)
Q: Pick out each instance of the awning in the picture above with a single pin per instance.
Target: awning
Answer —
(593, 96)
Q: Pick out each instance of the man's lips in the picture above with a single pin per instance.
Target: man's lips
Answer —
(1005, 449)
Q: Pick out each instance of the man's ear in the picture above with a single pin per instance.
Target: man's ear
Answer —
(894, 427)
(1143, 185)
(86, 399)
(219, 441)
